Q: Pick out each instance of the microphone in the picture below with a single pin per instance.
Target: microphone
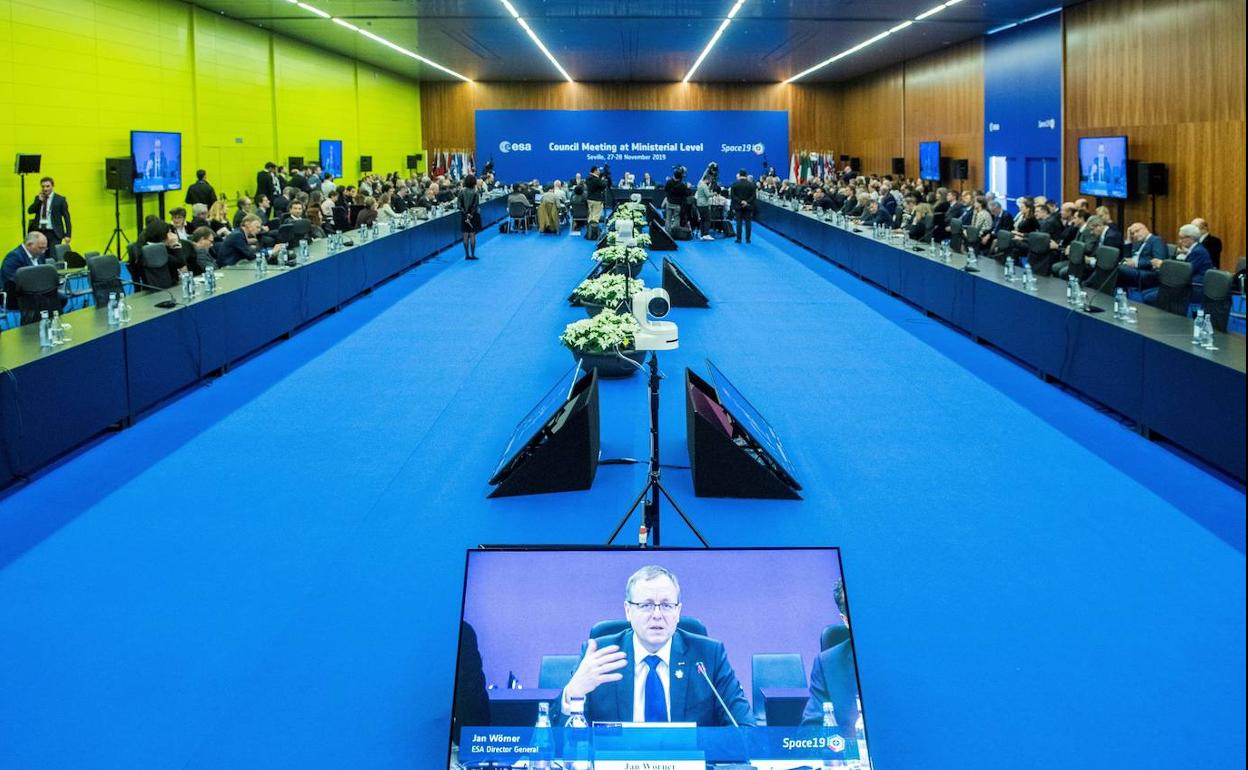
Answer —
(702, 670)
(163, 303)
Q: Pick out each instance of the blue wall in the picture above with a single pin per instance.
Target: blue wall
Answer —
(1023, 107)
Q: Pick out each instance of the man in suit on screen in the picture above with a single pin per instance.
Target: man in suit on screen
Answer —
(650, 672)
(834, 679)
(157, 165)
(1098, 172)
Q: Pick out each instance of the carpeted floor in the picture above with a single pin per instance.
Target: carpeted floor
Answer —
(267, 572)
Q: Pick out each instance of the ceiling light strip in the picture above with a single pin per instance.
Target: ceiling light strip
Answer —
(379, 39)
(1014, 24)
(899, 27)
(714, 39)
(536, 40)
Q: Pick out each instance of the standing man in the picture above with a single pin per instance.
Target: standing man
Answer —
(51, 213)
(201, 191)
(596, 192)
(266, 180)
(743, 193)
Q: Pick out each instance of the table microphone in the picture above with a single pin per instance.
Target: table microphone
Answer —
(172, 302)
(701, 667)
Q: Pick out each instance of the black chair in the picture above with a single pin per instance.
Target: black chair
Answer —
(1104, 277)
(607, 627)
(36, 289)
(134, 262)
(580, 214)
(518, 212)
(1217, 298)
(1174, 289)
(1073, 264)
(156, 270)
(970, 237)
(783, 669)
(1039, 255)
(556, 670)
(929, 228)
(955, 236)
(1172, 250)
(1001, 245)
(105, 274)
(833, 635)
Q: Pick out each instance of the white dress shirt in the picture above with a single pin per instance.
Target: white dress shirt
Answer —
(641, 670)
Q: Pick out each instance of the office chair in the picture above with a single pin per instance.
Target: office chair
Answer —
(774, 670)
(1104, 277)
(556, 670)
(607, 627)
(956, 242)
(36, 289)
(1039, 255)
(155, 269)
(833, 635)
(105, 274)
(1216, 298)
(1174, 289)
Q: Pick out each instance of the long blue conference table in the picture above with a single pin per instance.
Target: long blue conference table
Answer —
(1149, 372)
(53, 400)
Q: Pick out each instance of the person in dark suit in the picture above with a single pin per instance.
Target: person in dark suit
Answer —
(237, 246)
(28, 253)
(51, 213)
(1001, 221)
(650, 672)
(201, 191)
(472, 701)
(157, 165)
(743, 195)
(834, 679)
(1192, 251)
(266, 181)
(1212, 243)
(1139, 271)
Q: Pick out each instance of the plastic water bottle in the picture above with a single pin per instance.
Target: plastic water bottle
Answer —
(576, 737)
(1198, 327)
(860, 736)
(210, 279)
(830, 733)
(1009, 269)
(1206, 334)
(112, 309)
(45, 330)
(56, 332)
(543, 740)
(123, 310)
(1072, 289)
(1029, 279)
(188, 285)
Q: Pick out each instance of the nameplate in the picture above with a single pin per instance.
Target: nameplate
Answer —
(649, 764)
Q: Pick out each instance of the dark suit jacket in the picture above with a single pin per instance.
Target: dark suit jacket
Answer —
(1152, 248)
(1111, 237)
(834, 679)
(743, 193)
(265, 184)
(472, 702)
(201, 192)
(1213, 245)
(1006, 222)
(13, 261)
(691, 698)
(234, 249)
(1198, 257)
(58, 213)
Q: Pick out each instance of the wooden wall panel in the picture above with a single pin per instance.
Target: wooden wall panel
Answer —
(872, 119)
(944, 100)
(1170, 75)
(447, 109)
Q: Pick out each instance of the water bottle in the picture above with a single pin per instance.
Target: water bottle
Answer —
(123, 310)
(210, 279)
(860, 737)
(112, 309)
(576, 736)
(45, 330)
(1120, 304)
(188, 285)
(1198, 327)
(830, 734)
(1029, 279)
(543, 740)
(1009, 269)
(1072, 289)
(1206, 334)
(55, 331)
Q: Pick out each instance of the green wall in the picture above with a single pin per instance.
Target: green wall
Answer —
(71, 91)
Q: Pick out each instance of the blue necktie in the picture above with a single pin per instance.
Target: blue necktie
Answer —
(656, 700)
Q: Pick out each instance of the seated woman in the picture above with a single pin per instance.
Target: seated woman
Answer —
(368, 214)
(219, 218)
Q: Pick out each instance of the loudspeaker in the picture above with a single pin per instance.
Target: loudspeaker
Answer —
(27, 164)
(844, 158)
(899, 166)
(119, 173)
(1152, 179)
(961, 169)
(563, 454)
(680, 288)
(293, 162)
(855, 164)
(413, 161)
(720, 467)
(366, 163)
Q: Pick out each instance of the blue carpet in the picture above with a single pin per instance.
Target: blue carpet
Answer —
(270, 576)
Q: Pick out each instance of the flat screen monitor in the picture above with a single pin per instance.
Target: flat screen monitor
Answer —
(529, 429)
(331, 157)
(929, 161)
(157, 159)
(751, 422)
(1103, 166)
(672, 603)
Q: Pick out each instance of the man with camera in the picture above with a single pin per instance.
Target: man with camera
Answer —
(676, 211)
(743, 194)
(596, 192)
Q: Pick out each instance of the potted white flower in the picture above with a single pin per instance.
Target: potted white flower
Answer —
(609, 290)
(621, 259)
(605, 342)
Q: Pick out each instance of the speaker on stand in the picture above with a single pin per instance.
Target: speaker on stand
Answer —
(118, 176)
(366, 164)
(899, 166)
(25, 164)
(1152, 179)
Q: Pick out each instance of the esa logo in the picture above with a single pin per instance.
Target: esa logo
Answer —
(836, 743)
(757, 148)
(506, 146)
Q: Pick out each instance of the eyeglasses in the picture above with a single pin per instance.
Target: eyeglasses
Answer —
(648, 608)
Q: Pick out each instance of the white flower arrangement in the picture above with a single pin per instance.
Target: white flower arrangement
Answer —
(608, 290)
(634, 211)
(639, 239)
(615, 254)
(603, 333)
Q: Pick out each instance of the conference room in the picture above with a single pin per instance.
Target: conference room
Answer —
(711, 384)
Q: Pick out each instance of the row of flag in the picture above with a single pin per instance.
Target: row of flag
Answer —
(811, 164)
(453, 163)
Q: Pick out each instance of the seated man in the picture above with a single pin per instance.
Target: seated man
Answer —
(202, 251)
(552, 204)
(1192, 251)
(31, 251)
(877, 215)
(834, 679)
(650, 673)
(238, 245)
(1139, 271)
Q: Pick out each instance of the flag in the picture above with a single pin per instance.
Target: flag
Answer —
(793, 168)
(804, 173)
(815, 168)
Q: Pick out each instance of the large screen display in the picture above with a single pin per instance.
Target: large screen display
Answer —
(157, 160)
(331, 157)
(929, 161)
(556, 144)
(644, 657)
(1103, 166)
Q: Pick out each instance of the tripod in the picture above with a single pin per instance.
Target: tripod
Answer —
(118, 234)
(21, 175)
(654, 484)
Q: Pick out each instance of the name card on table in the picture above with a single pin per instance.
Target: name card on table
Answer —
(601, 763)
